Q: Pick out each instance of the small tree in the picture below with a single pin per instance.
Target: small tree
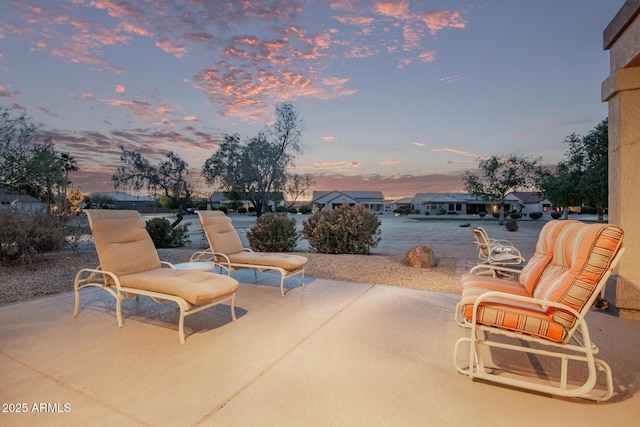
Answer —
(500, 175)
(561, 187)
(28, 160)
(583, 177)
(257, 169)
(295, 187)
(168, 177)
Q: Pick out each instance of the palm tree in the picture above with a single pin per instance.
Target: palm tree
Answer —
(68, 164)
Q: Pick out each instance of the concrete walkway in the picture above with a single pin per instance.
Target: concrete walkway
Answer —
(327, 354)
(330, 353)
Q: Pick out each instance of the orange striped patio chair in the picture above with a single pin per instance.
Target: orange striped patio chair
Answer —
(541, 315)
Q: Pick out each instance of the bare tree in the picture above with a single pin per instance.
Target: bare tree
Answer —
(257, 169)
(296, 187)
(168, 178)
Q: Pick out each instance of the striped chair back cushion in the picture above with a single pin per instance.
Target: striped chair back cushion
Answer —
(582, 255)
(530, 274)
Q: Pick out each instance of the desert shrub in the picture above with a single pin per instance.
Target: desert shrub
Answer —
(242, 210)
(165, 236)
(281, 209)
(496, 215)
(345, 230)
(556, 214)
(515, 215)
(292, 210)
(535, 215)
(304, 209)
(273, 233)
(25, 233)
(511, 225)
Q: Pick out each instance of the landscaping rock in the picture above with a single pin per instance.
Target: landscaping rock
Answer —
(420, 257)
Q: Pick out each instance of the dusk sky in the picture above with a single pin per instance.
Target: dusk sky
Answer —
(396, 96)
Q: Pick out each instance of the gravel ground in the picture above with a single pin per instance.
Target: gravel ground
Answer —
(452, 244)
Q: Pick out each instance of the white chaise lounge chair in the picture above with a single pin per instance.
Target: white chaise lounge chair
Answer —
(226, 250)
(130, 266)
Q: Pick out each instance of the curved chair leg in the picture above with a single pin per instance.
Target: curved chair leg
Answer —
(181, 324)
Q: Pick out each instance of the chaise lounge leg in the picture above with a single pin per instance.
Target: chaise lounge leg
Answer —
(181, 324)
(119, 309)
(233, 307)
(76, 308)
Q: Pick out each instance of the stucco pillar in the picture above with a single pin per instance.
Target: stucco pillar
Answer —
(622, 92)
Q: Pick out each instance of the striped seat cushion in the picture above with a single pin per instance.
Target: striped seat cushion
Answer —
(528, 318)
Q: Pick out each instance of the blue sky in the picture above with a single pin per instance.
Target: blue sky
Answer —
(397, 96)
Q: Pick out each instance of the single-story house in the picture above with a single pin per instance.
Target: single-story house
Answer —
(532, 201)
(373, 200)
(22, 201)
(457, 204)
(392, 205)
(219, 199)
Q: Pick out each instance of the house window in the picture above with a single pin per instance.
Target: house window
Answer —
(457, 207)
(434, 207)
(546, 207)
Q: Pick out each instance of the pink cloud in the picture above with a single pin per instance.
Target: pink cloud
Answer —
(392, 187)
(331, 165)
(436, 21)
(396, 9)
(276, 59)
(455, 151)
(427, 56)
(389, 162)
(169, 47)
(120, 89)
(449, 79)
(8, 93)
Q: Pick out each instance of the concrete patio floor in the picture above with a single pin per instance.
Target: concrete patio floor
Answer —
(330, 353)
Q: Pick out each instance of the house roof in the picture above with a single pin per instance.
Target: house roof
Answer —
(528, 197)
(357, 196)
(19, 198)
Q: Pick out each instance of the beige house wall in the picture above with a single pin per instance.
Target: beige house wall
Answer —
(622, 92)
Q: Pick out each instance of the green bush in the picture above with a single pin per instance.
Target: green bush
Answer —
(345, 230)
(293, 210)
(25, 233)
(273, 233)
(535, 215)
(304, 209)
(242, 210)
(281, 209)
(164, 236)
